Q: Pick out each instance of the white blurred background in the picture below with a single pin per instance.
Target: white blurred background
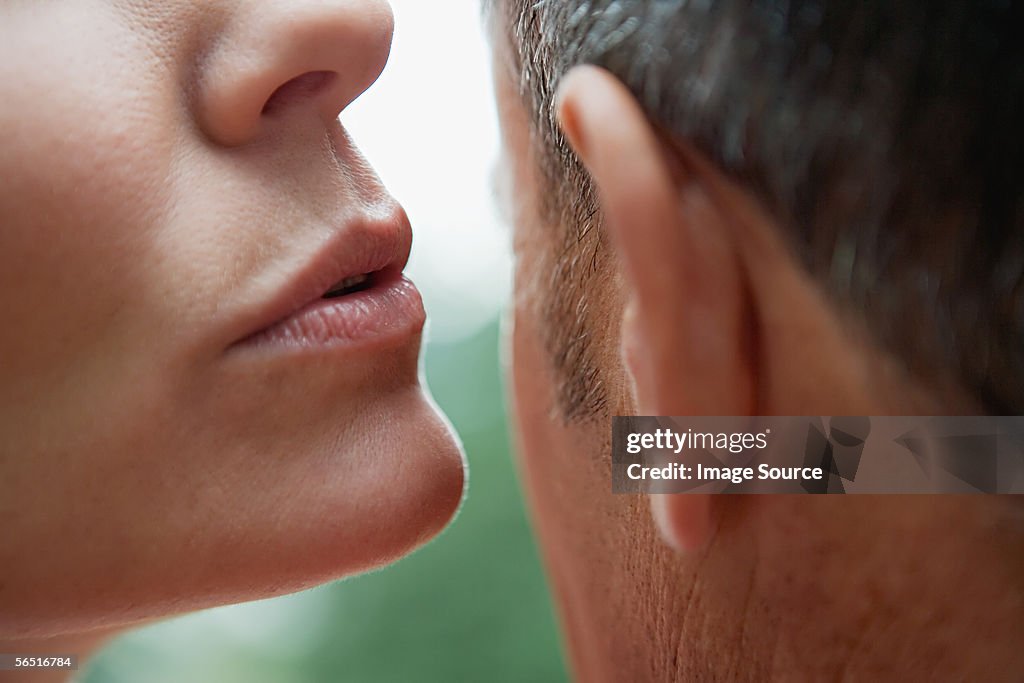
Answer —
(429, 128)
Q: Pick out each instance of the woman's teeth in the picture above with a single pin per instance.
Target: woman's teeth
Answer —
(347, 286)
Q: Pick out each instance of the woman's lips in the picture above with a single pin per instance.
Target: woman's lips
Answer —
(349, 291)
(389, 308)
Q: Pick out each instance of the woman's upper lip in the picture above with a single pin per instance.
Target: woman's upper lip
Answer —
(365, 245)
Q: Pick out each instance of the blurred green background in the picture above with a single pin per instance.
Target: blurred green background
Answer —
(472, 605)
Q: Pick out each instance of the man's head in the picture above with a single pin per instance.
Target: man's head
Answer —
(765, 208)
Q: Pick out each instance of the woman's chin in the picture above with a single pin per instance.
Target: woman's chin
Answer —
(333, 498)
(408, 494)
(365, 507)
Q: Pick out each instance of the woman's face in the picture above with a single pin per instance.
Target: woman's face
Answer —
(185, 419)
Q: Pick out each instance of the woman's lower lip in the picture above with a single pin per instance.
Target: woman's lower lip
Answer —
(388, 309)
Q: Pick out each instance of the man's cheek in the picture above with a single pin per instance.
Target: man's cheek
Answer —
(532, 399)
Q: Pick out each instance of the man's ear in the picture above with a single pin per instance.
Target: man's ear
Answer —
(687, 327)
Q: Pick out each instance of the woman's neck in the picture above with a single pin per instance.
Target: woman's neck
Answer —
(81, 646)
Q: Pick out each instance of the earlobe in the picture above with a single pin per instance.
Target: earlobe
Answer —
(687, 325)
(683, 520)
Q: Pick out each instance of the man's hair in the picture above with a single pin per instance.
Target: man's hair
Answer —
(884, 137)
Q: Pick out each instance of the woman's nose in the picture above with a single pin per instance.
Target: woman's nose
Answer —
(272, 56)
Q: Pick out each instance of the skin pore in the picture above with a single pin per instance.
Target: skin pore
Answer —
(175, 180)
(696, 306)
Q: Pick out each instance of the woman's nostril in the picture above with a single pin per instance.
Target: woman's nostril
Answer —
(301, 57)
(299, 88)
